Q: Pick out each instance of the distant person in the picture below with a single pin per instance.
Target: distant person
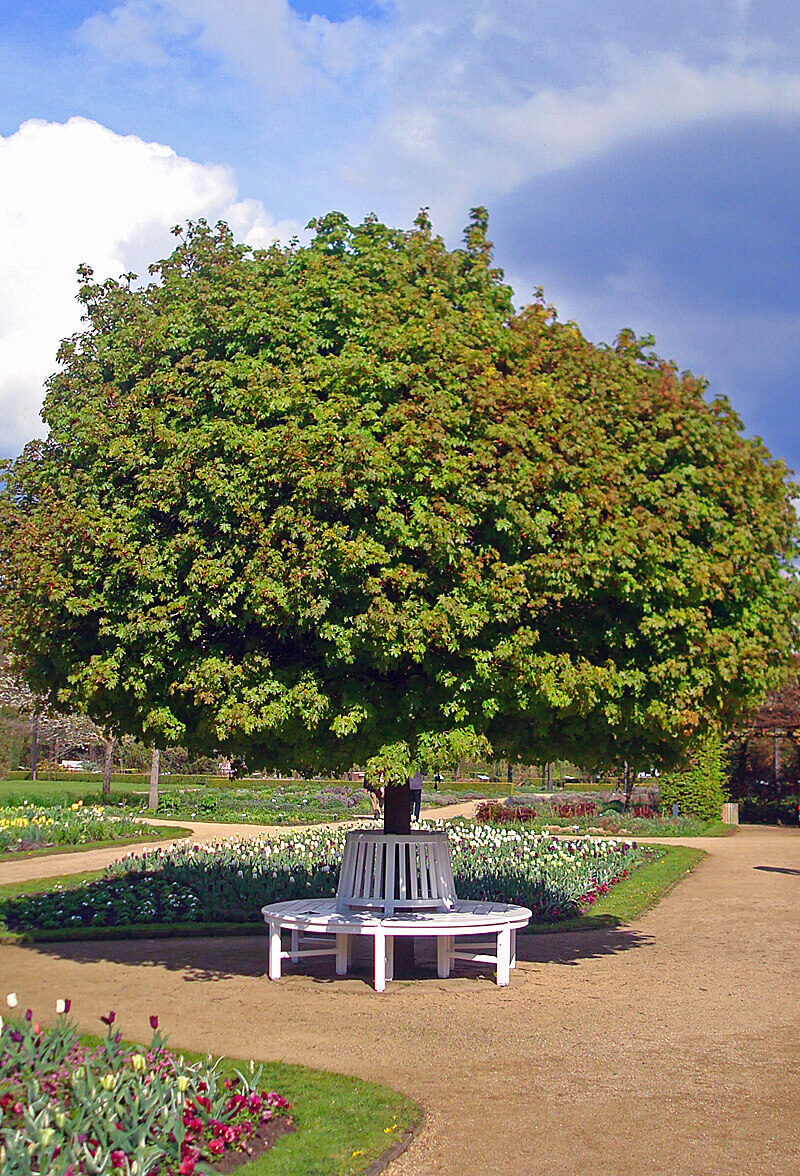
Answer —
(437, 779)
(415, 784)
(375, 794)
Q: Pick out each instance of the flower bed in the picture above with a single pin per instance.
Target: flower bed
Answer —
(514, 813)
(68, 1108)
(25, 827)
(574, 817)
(230, 881)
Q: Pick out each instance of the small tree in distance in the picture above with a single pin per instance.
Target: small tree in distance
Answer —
(339, 502)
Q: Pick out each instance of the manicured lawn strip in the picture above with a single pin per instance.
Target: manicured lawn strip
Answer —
(632, 896)
(42, 885)
(149, 833)
(335, 1116)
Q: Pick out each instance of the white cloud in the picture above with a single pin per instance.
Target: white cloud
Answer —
(463, 148)
(77, 192)
(262, 40)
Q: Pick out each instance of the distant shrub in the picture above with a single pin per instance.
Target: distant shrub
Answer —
(568, 808)
(756, 810)
(698, 790)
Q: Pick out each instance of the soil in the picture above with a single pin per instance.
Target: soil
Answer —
(671, 1046)
(262, 1139)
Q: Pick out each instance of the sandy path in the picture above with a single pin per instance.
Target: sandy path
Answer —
(672, 1046)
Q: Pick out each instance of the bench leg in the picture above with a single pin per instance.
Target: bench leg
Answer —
(504, 956)
(444, 956)
(342, 954)
(390, 957)
(274, 951)
(514, 947)
(294, 947)
(380, 961)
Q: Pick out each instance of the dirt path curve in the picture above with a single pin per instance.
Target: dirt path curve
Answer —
(668, 1047)
(55, 864)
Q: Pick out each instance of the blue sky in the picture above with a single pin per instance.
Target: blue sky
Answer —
(639, 160)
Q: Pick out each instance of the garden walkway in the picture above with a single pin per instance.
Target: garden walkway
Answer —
(668, 1047)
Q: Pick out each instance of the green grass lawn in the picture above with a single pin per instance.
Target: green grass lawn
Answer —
(343, 1124)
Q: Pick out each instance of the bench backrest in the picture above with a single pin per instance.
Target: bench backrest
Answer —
(416, 865)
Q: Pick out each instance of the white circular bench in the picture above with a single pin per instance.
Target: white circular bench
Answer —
(394, 885)
(314, 917)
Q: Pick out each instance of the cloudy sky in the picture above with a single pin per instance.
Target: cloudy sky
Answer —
(640, 159)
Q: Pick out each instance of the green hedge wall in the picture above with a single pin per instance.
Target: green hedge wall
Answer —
(134, 779)
(700, 789)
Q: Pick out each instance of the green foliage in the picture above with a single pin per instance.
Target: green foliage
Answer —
(132, 779)
(700, 789)
(340, 501)
(762, 810)
(11, 743)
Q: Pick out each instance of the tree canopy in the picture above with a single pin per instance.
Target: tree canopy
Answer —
(326, 502)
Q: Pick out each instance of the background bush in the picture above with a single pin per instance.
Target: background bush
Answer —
(700, 788)
(758, 810)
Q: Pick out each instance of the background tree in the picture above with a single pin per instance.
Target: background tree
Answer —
(321, 503)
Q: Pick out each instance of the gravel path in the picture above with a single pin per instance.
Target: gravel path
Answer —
(671, 1046)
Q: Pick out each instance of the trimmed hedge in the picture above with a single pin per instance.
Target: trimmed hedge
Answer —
(700, 789)
(132, 778)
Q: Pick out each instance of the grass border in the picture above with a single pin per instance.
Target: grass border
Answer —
(633, 896)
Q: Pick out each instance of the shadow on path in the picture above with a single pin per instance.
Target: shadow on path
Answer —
(572, 947)
(776, 870)
(212, 959)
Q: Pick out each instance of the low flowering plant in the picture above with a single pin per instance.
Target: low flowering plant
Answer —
(68, 1109)
(27, 827)
(230, 881)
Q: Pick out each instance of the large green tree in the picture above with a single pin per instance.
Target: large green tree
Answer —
(337, 501)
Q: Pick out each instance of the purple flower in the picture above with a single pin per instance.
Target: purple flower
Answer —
(29, 1015)
(154, 1023)
(110, 1019)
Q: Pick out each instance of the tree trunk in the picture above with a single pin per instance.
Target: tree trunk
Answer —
(777, 757)
(34, 745)
(152, 802)
(628, 782)
(397, 819)
(397, 808)
(511, 775)
(107, 764)
(549, 777)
